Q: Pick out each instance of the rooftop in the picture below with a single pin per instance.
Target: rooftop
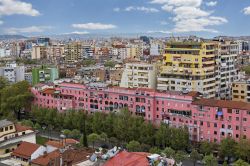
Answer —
(25, 150)
(129, 159)
(5, 122)
(46, 158)
(223, 103)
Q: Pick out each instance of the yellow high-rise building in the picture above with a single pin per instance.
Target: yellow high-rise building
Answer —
(191, 66)
(73, 52)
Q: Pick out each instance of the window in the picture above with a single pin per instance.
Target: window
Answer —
(201, 123)
(215, 132)
(215, 124)
(237, 118)
(237, 135)
(6, 129)
(229, 111)
(237, 111)
(244, 119)
(222, 133)
(223, 126)
(11, 127)
(237, 127)
(1, 129)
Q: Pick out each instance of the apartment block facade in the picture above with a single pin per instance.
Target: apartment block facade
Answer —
(191, 66)
(73, 52)
(44, 75)
(139, 74)
(12, 72)
(227, 59)
(241, 91)
(206, 119)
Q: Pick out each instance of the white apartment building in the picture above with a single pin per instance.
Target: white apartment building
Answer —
(12, 72)
(139, 75)
(227, 68)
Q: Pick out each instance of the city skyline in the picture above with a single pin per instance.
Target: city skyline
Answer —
(178, 17)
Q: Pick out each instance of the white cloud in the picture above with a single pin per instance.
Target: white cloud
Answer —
(161, 31)
(189, 17)
(10, 7)
(78, 33)
(211, 3)
(167, 8)
(164, 23)
(31, 29)
(246, 10)
(193, 3)
(141, 8)
(117, 9)
(94, 26)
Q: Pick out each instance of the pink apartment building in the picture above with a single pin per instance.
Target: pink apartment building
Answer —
(206, 119)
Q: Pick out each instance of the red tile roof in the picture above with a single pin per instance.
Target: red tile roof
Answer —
(47, 158)
(25, 150)
(223, 104)
(60, 144)
(74, 156)
(129, 159)
(49, 91)
(20, 128)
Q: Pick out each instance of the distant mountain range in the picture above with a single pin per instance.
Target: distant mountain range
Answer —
(12, 37)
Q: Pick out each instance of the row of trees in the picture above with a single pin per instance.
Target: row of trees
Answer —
(123, 126)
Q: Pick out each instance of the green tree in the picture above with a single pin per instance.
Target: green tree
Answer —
(162, 136)
(37, 126)
(243, 149)
(82, 118)
(155, 150)
(195, 156)
(66, 132)
(93, 138)
(180, 156)
(104, 137)
(133, 146)
(88, 62)
(113, 141)
(206, 147)
(27, 123)
(110, 64)
(169, 152)
(145, 147)
(227, 148)
(75, 134)
(16, 98)
(179, 138)
(210, 160)
(3, 82)
(240, 163)
(225, 163)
